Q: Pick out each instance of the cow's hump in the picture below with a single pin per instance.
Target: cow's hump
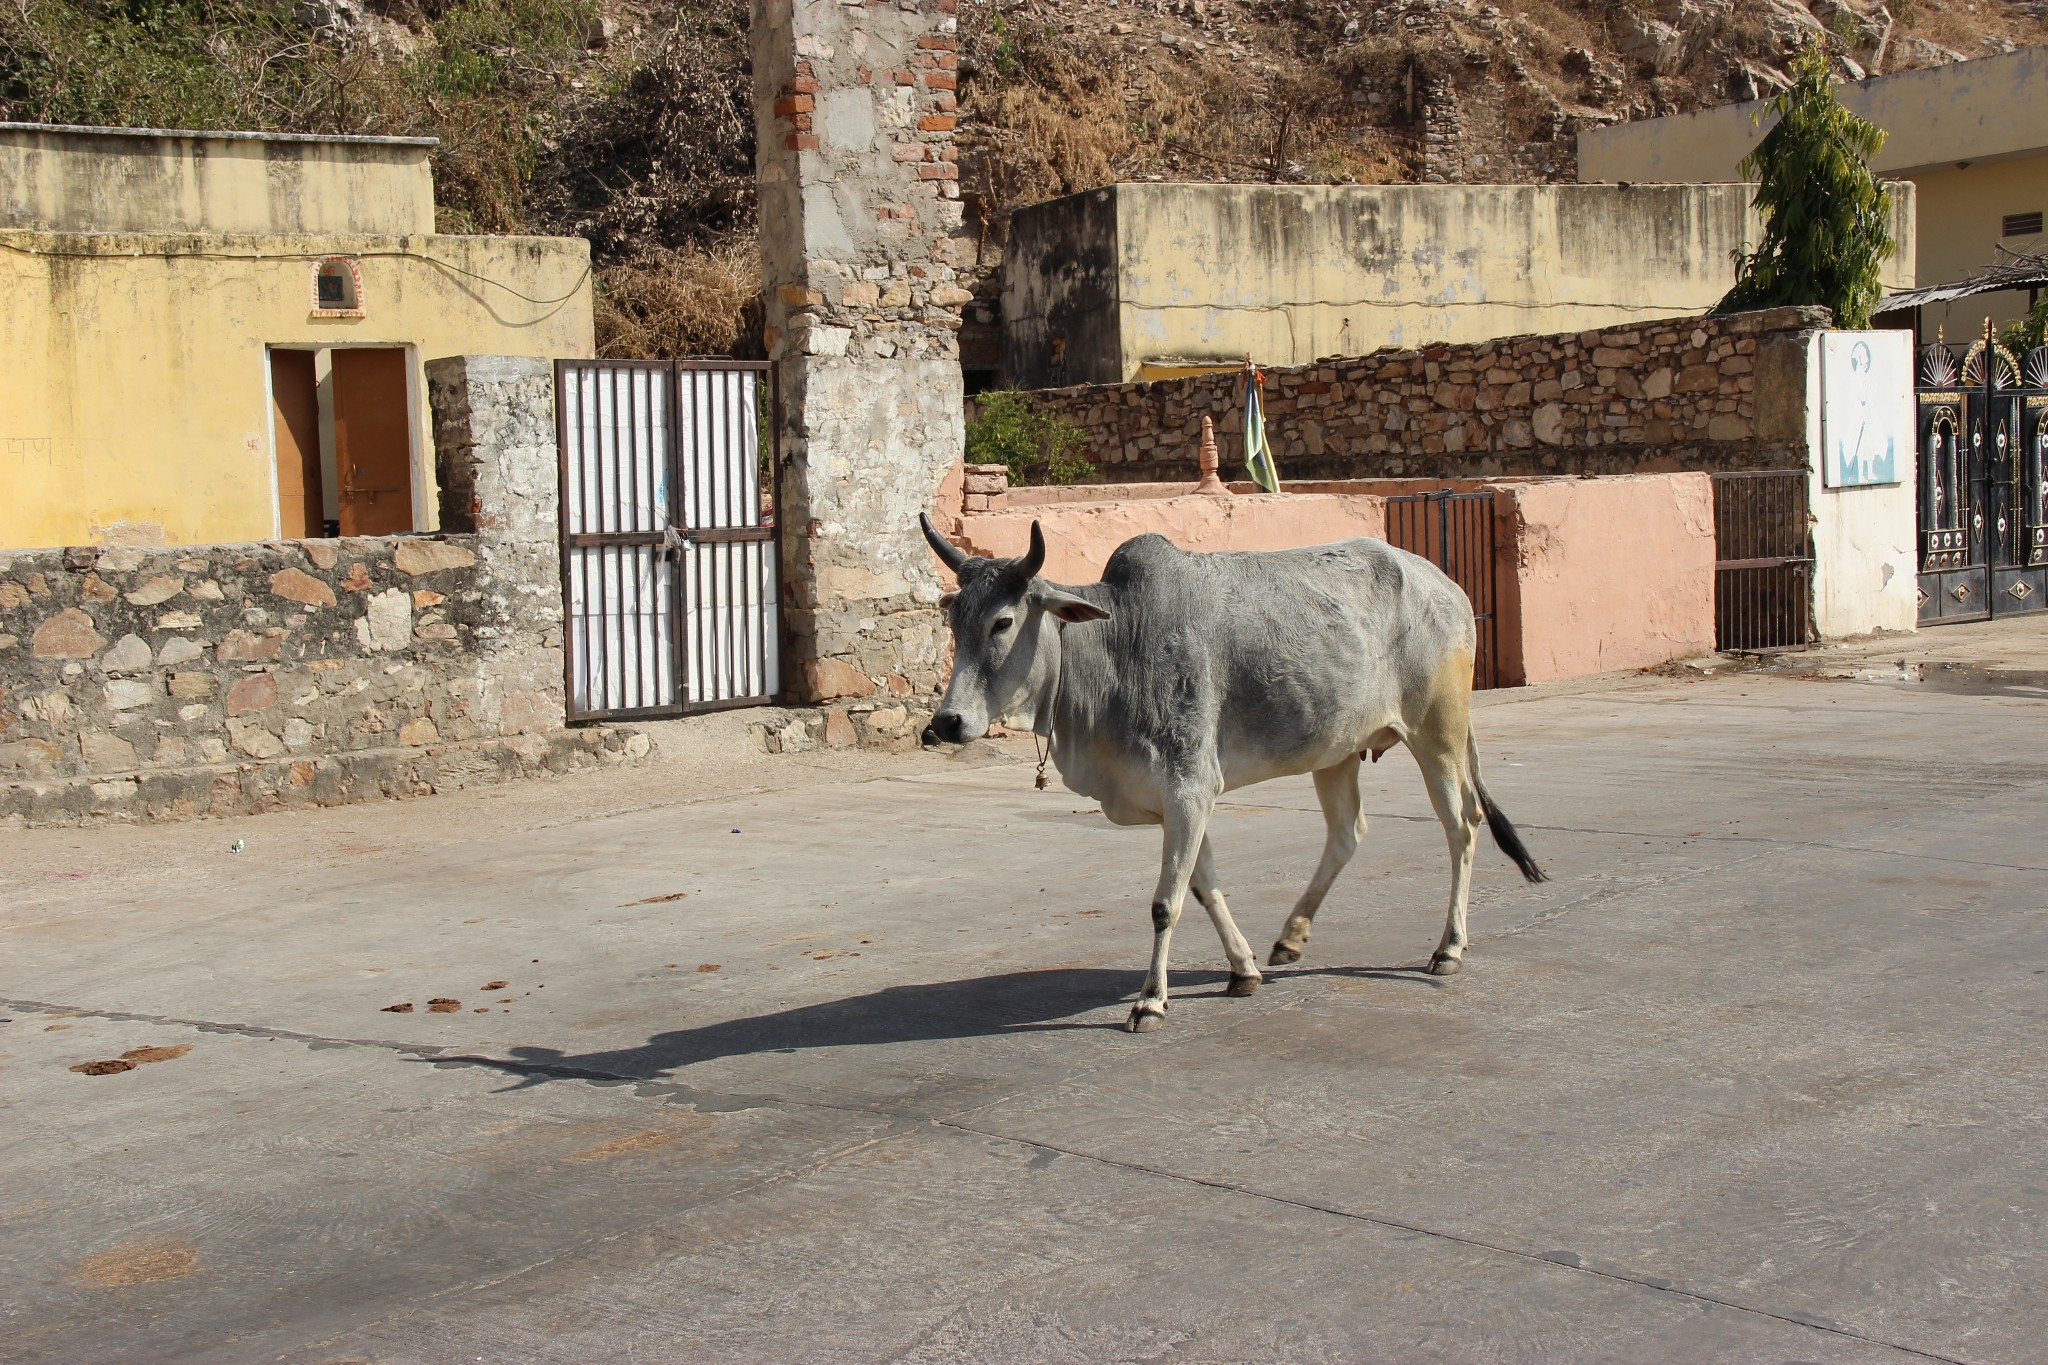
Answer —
(1142, 556)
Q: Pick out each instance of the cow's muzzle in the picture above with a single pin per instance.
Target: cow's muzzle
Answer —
(947, 727)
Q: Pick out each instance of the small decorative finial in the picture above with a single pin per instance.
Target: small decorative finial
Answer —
(1211, 462)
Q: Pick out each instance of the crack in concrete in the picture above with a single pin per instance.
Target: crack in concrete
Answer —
(1807, 1321)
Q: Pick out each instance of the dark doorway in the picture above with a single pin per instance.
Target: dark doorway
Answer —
(295, 423)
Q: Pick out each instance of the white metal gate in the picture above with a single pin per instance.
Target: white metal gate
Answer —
(670, 569)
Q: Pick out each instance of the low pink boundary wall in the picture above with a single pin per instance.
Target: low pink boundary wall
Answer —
(1603, 574)
(1591, 575)
(1082, 533)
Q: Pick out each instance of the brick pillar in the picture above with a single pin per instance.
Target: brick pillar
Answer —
(860, 235)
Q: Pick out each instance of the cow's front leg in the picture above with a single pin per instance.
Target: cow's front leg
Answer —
(1186, 821)
(1344, 826)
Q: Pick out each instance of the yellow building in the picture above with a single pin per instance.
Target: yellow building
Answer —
(217, 336)
(1147, 281)
(1971, 136)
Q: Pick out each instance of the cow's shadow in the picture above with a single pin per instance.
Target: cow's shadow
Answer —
(1051, 1000)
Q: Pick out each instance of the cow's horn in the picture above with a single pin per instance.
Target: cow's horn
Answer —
(949, 553)
(1035, 559)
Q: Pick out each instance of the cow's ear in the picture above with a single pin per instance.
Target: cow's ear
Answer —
(1070, 608)
(947, 599)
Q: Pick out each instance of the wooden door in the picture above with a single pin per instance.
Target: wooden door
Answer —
(295, 423)
(372, 441)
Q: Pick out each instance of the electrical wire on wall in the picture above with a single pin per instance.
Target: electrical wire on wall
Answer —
(401, 254)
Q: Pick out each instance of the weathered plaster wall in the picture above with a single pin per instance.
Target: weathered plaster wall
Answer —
(1099, 282)
(1694, 393)
(1865, 540)
(1591, 575)
(135, 401)
(861, 236)
(55, 179)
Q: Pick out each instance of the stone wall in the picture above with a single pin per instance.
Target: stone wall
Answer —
(162, 683)
(1704, 393)
(861, 243)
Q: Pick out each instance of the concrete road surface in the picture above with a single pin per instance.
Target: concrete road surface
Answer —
(832, 1069)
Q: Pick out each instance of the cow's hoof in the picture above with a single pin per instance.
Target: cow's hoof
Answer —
(1243, 985)
(1145, 1021)
(1284, 953)
(1444, 965)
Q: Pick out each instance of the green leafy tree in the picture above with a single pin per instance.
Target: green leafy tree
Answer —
(2024, 334)
(1039, 447)
(1826, 219)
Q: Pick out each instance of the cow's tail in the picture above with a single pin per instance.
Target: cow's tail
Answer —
(1504, 832)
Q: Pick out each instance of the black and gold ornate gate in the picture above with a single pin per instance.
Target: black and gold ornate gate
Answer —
(1983, 501)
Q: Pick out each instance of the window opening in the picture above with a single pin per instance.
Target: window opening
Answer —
(337, 288)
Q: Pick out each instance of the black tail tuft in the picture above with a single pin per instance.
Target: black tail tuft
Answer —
(1509, 839)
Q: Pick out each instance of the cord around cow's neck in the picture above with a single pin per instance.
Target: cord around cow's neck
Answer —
(1051, 712)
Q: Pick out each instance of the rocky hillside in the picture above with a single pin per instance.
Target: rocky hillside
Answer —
(628, 121)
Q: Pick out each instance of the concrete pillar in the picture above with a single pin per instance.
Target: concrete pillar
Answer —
(860, 237)
(498, 463)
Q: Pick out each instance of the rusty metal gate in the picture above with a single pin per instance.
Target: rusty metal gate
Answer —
(1454, 531)
(1763, 560)
(671, 574)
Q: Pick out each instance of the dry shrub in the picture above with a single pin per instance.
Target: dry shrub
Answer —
(1063, 129)
(682, 301)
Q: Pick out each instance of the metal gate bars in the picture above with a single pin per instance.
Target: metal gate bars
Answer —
(1763, 560)
(1983, 498)
(670, 567)
(1454, 531)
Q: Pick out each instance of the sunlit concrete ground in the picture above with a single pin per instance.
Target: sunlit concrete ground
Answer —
(819, 1058)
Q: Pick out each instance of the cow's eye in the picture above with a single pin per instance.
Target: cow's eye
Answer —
(1000, 626)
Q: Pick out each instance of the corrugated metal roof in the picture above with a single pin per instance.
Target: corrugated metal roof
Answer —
(2015, 270)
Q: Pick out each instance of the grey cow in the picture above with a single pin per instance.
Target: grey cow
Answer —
(1181, 676)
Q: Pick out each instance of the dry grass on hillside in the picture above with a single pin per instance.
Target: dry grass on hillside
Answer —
(684, 301)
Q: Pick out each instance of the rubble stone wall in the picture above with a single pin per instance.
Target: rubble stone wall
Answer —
(1708, 393)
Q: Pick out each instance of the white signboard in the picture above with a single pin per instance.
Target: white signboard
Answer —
(1867, 408)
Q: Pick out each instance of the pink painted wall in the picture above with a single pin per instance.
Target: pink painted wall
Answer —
(1592, 575)
(1081, 534)
(1598, 575)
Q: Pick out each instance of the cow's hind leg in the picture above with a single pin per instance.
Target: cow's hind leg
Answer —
(1441, 750)
(1187, 823)
(1344, 826)
(1244, 968)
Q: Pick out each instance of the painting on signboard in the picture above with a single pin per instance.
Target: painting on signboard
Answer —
(1867, 425)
